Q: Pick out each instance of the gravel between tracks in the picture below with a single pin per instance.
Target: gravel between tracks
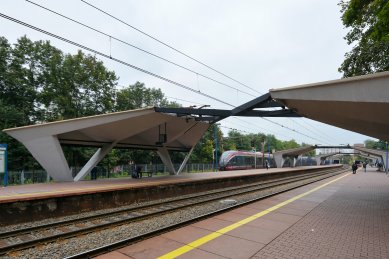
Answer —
(85, 242)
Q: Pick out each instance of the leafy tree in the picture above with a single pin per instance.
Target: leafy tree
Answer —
(39, 84)
(138, 96)
(19, 157)
(205, 149)
(375, 144)
(81, 87)
(369, 23)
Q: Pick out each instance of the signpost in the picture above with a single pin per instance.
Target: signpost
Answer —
(4, 162)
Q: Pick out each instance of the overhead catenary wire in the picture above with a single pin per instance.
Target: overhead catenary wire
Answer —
(182, 100)
(169, 46)
(112, 58)
(286, 127)
(254, 124)
(314, 132)
(134, 67)
(140, 49)
(319, 131)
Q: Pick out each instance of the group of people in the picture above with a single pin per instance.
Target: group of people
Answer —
(137, 172)
(354, 166)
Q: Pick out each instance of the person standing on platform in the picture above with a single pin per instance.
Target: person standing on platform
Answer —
(94, 173)
(267, 165)
(354, 167)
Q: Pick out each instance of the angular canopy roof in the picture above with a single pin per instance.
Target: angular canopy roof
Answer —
(135, 128)
(144, 129)
(360, 104)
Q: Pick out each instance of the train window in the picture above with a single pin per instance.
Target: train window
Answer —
(233, 161)
(249, 160)
(240, 160)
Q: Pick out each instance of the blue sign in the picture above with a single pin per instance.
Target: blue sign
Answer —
(4, 162)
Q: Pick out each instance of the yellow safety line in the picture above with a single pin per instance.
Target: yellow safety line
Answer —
(186, 248)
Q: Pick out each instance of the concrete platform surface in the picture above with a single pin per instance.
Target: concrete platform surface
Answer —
(59, 189)
(342, 217)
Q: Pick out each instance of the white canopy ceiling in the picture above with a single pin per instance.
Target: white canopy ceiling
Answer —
(360, 104)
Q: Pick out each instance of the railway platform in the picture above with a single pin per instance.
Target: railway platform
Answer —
(340, 217)
(39, 201)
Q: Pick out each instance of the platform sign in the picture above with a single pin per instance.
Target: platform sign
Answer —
(3, 162)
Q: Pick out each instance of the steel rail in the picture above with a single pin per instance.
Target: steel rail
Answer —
(200, 199)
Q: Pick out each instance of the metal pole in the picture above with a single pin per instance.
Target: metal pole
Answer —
(268, 146)
(255, 158)
(216, 147)
(386, 167)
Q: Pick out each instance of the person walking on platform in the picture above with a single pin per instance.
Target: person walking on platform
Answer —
(267, 165)
(136, 173)
(354, 167)
(364, 166)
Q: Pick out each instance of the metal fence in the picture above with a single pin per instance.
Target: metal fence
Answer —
(25, 177)
(40, 176)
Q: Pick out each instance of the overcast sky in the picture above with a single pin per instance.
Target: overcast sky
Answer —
(262, 44)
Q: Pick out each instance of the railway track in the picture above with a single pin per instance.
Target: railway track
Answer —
(33, 236)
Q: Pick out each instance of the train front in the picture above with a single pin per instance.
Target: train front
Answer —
(224, 159)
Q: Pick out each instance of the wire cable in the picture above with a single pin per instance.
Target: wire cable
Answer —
(169, 46)
(182, 100)
(314, 132)
(135, 67)
(112, 58)
(136, 47)
(286, 127)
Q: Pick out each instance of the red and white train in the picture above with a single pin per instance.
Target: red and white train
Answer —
(240, 160)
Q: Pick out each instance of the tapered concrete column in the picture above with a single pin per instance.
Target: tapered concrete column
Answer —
(167, 161)
(185, 161)
(279, 160)
(295, 158)
(94, 160)
(318, 160)
(48, 152)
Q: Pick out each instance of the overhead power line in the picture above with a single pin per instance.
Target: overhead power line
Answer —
(135, 67)
(175, 49)
(286, 127)
(179, 99)
(136, 47)
(254, 124)
(112, 58)
(169, 46)
(314, 132)
(321, 132)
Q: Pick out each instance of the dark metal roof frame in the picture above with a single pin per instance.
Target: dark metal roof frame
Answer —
(245, 110)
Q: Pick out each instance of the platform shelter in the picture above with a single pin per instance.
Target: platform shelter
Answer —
(141, 129)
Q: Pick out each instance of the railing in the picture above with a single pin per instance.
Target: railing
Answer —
(40, 176)
(25, 177)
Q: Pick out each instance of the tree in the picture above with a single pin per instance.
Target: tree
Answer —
(38, 83)
(375, 144)
(81, 87)
(369, 23)
(139, 96)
